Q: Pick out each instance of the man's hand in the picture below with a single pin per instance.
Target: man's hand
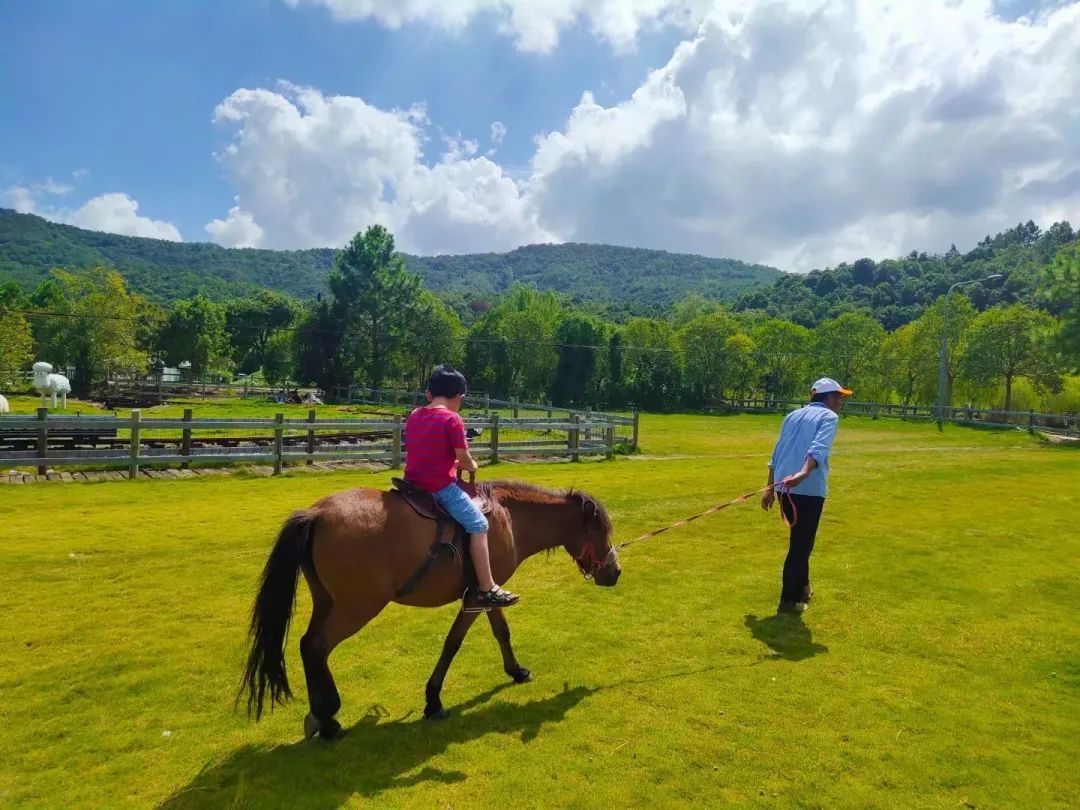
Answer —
(767, 499)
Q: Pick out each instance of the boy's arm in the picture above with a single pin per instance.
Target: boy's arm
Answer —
(465, 459)
(460, 443)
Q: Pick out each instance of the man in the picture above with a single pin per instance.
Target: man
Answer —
(800, 465)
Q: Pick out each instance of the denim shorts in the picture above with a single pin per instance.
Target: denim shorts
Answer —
(461, 508)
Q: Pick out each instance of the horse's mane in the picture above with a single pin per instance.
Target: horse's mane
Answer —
(525, 492)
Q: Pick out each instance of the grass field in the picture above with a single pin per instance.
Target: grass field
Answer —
(939, 665)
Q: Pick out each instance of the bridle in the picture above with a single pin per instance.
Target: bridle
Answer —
(586, 558)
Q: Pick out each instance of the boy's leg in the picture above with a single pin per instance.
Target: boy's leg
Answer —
(460, 507)
(478, 546)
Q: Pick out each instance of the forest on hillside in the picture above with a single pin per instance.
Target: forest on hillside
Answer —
(378, 325)
(630, 280)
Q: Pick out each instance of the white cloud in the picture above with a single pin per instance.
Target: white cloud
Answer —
(112, 213)
(311, 170)
(534, 24)
(813, 132)
(119, 213)
(238, 229)
(796, 132)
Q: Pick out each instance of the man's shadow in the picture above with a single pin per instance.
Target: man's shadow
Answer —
(786, 635)
(372, 757)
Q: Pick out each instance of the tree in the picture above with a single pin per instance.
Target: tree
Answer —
(277, 358)
(95, 327)
(848, 348)
(783, 349)
(528, 320)
(579, 362)
(1009, 342)
(652, 363)
(251, 322)
(487, 361)
(927, 339)
(16, 346)
(433, 335)
(374, 297)
(741, 368)
(904, 365)
(195, 332)
(1064, 293)
(319, 350)
(704, 343)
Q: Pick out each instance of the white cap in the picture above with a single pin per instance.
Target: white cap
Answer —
(826, 385)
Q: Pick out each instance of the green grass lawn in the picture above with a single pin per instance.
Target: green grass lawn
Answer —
(939, 665)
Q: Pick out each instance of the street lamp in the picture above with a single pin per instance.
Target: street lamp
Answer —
(944, 344)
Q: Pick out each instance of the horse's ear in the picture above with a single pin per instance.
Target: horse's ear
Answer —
(588, 506)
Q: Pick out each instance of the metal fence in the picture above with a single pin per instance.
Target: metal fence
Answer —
(1059, 423)
(49, 440)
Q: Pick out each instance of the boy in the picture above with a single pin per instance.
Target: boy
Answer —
(435, 446)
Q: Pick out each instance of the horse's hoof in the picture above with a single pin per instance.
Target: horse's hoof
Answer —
(331, 731)
(436, 714)
(521, 676)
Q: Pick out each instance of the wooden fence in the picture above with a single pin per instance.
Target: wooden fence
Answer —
(57, 440)
(1064, 424)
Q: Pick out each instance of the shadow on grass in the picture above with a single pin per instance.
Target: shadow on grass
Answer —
(371, 758)
(786, 635)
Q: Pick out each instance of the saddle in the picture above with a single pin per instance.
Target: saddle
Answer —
(457, 546)
(423, 502)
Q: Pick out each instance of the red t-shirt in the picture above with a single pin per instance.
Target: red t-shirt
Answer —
(431, 437)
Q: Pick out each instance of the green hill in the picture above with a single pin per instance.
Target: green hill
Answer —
(627, 278)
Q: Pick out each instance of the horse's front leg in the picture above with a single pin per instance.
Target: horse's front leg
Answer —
(501, 630)
(433, 710)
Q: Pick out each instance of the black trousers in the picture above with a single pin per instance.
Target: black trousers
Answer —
(806, 516)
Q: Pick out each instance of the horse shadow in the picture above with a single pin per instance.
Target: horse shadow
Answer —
(373, 757)
(786, 635)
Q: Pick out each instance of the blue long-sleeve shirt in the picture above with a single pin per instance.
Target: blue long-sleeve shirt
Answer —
(808, 431)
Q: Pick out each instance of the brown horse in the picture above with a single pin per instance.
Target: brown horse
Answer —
(358, 547)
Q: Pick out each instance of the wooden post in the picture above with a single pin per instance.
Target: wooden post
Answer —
(310, 439)
(573, 439)
(637, 417)
(549, 409)
(1031, 421)
(279, 441)
(185, 440)
(395, 451)
(517, 405)
(133, 450)
(494, 438)
(609, 439)
(42, 440)
(487, 402)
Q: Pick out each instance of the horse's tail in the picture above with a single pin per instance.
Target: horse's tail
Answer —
(270, 616)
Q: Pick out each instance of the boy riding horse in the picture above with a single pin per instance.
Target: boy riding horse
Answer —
(435, 445)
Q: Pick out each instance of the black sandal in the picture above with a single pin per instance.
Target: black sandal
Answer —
(497, 597)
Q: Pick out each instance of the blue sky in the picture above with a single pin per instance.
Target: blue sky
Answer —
(125, 89)
(797, 133)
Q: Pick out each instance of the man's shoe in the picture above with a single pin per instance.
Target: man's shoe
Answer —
(807, 594)
(791, 607)
(482, 601)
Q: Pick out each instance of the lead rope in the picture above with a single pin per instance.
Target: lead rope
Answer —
(717, 508)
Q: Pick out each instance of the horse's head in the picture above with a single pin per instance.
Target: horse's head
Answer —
(592, 549)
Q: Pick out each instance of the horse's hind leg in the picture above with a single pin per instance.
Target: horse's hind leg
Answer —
(330, 625)
(433, 708)
(501, 631)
